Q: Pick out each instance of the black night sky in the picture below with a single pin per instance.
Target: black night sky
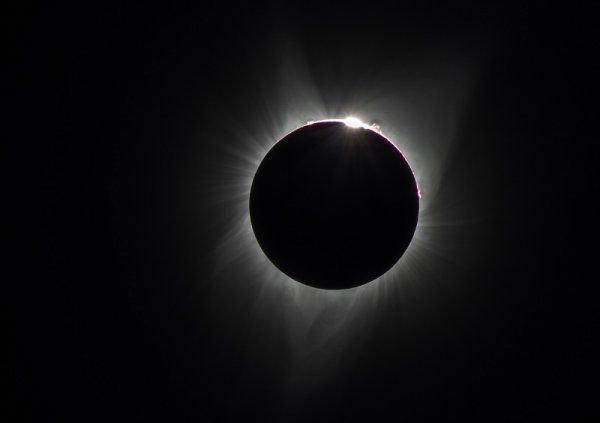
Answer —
(139, 295)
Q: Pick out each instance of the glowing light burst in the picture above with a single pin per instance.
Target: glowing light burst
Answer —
(353, 122)
(319, 325)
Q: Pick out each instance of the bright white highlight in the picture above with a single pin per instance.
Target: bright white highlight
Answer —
(353, 122)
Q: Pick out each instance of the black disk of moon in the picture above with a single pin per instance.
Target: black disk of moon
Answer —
(334, 206)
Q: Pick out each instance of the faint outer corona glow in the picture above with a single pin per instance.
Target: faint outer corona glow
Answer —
(320, 326)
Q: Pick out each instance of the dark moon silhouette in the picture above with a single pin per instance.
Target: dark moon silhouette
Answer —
(333, 206)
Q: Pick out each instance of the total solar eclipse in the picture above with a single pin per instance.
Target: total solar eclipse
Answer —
(334, 204)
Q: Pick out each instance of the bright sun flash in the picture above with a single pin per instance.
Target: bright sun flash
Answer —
(353, 122)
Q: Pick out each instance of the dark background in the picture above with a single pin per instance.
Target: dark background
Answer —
(109, 312)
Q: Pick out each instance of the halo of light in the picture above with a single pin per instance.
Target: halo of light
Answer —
(320, 325)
